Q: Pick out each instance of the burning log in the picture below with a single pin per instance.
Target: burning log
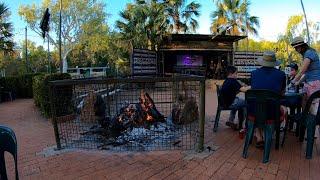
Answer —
(140, 114)
(130, 116)
(188, 114)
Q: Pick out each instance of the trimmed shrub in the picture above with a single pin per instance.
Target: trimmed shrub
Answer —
(61, 96)
(20, 86)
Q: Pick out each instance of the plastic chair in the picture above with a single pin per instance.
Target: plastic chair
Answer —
(221, 107)
(8, 142)
(309, 121)
(261, 111)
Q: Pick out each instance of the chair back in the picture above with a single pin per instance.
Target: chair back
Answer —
(264, 105)
(220, 99)
(8, 142)
(313, 96)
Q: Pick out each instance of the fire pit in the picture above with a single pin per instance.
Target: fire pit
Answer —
(128, 114)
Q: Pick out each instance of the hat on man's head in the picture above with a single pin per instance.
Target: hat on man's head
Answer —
(268, 59)
(294, 66)
(297, 41)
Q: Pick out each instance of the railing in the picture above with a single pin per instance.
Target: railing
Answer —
(85, 72)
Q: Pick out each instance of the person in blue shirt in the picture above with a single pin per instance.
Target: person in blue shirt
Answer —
(310, 70)
(229, 90)
(270, 78)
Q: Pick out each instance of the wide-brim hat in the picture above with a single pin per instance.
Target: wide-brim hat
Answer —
(297, 41)
(268, 59)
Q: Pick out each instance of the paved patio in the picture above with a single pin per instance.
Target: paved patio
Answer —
(35, 136)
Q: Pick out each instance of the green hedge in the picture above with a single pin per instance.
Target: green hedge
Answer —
(61, 96)
(20, 86)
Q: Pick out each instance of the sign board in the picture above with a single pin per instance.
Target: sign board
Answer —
(246, 62)
(143, 62)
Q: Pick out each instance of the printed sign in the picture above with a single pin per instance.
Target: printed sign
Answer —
(246, 62)
(143, 62)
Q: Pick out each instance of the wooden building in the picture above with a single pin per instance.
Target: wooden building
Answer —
(196, 54)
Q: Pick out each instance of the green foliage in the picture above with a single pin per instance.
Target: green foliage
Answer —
(232, 17)
(181, 16)
(284, 51)
(144, 23)
(20, 86)
(37, 57)
(83, 24)
(6, 41)
(61, 99)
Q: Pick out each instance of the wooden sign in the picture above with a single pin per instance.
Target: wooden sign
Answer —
(246, 62)
(143, 62)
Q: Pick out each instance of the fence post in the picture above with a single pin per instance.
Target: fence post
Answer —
(202, 115)
(53, 116)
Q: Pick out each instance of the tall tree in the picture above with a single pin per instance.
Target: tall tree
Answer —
(182, 16)
(143, 24)
(6, 42)
(77, 16)
(37, 57)
(232, 17)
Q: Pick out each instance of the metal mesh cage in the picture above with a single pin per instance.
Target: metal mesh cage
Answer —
(127, 114)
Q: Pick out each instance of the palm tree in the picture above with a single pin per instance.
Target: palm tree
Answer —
(182, 16)
(232, 17)
(6, 43)
(143, 24)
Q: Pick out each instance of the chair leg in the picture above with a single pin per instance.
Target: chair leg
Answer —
(216, 121)
(285, 132)
(3, 170)
(16, 166)
(268, 131)
(248, 139)
(311, 128)
(297, 132)
(302, 131)
(277, 135)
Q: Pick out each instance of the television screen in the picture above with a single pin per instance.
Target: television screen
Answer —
(189, 60)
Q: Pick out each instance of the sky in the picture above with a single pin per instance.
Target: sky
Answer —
(273, 15)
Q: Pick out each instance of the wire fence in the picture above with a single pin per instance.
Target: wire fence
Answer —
(135, 114)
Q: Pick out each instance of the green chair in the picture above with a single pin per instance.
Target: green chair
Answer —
(305, 119)
(258, 102)
(221, 107)
(8, 142)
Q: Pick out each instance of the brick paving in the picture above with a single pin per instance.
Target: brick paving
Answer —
(35, 134)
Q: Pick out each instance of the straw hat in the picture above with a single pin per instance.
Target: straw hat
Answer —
(268, 59)
(297, 41)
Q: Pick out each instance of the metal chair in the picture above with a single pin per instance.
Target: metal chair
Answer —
(308, 121)
(258, 102)
(221, 107)
(8, 142)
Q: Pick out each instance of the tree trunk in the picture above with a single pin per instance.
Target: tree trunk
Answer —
(64, 61)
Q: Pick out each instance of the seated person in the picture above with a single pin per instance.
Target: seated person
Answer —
(293, 101)
(292, 74)
(268, 77)
(229, 90)
(293, 71)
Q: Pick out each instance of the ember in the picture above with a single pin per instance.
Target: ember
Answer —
(140, 114)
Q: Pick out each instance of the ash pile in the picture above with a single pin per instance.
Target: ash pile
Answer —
(140, 126)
